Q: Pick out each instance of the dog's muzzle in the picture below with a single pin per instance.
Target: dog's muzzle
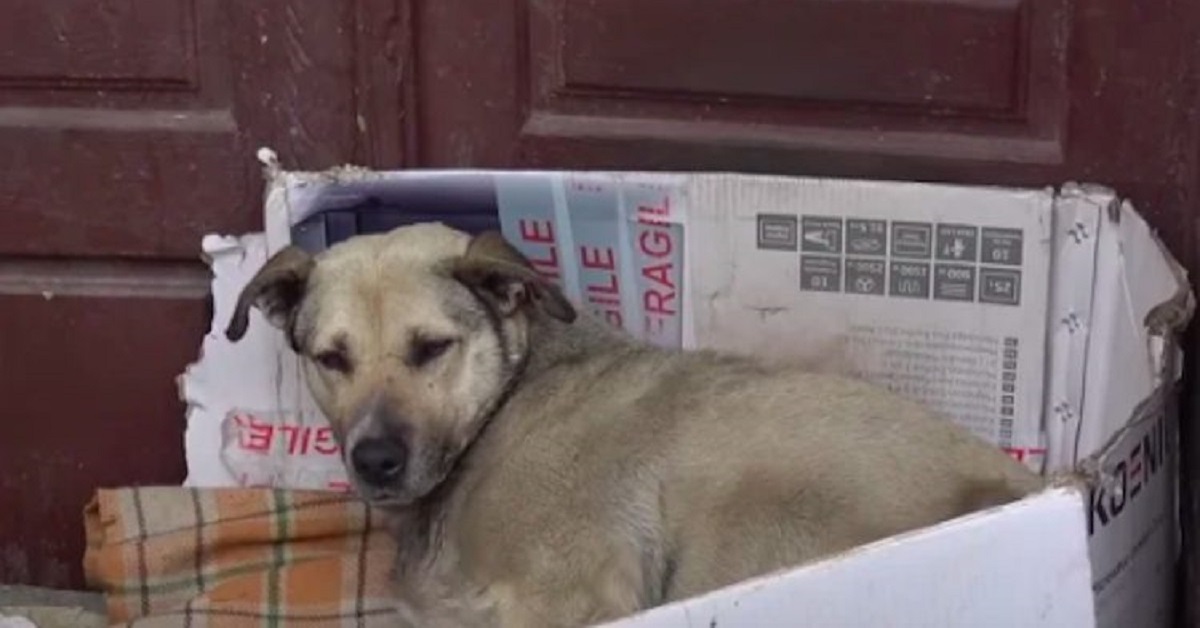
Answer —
(379, 462)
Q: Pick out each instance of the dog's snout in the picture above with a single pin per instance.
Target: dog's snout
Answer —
(379, 461)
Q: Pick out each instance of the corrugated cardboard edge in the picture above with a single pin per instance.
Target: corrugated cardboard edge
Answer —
(279, 207)
(281, 183)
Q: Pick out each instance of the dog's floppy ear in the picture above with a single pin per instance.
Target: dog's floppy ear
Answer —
(276, 290)
(496, 270)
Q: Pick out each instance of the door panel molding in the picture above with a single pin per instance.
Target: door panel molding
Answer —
(140, 45)
(978, 80)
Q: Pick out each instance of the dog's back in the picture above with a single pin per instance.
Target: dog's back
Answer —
(712, 468)
(804, 465)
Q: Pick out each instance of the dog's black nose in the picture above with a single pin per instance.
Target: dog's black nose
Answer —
(379, 461)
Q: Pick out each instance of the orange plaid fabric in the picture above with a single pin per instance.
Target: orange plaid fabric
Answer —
(230, 558)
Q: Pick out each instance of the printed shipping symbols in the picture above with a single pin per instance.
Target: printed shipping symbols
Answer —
(900, 259)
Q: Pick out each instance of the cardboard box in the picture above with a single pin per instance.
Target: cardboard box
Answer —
(1043, 320)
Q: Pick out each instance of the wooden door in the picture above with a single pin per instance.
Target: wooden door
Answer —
(127, 131)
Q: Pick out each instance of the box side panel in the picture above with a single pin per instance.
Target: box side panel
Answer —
(1131, 516)
(939, 293)
(1024, 565)
(1129, 425)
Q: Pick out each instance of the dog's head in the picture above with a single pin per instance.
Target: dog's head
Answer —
(408, 340)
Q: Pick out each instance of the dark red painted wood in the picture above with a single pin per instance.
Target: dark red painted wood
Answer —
(945, 56)
(89, 402)
(119, 147)
(136, 43)
(127, 131)
(154, 137)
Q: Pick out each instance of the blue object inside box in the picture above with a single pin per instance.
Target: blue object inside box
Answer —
(466, 202)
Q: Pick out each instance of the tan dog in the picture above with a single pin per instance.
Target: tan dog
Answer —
(546, 470)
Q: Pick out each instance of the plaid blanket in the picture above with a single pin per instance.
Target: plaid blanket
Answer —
(227, 558)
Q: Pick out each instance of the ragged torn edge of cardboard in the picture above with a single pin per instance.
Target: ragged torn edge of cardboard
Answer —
(219, 403)
(1159, 328)
(262, 421)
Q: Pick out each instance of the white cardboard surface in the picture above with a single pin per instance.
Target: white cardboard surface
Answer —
(1078, 218)
(1066, 352)
(1125, 427)
(981, 565)
(954, 355)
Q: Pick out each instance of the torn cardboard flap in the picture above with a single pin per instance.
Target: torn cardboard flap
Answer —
(1126, 438)
(1142, 300)
(250, 420)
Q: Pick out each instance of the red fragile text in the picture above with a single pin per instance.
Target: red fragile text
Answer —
(656, 243)
(540, 234)
(296, 440)
(604, 292)
(1021, 454)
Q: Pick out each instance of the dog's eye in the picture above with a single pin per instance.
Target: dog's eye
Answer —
(425, 351)
(333, 361)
